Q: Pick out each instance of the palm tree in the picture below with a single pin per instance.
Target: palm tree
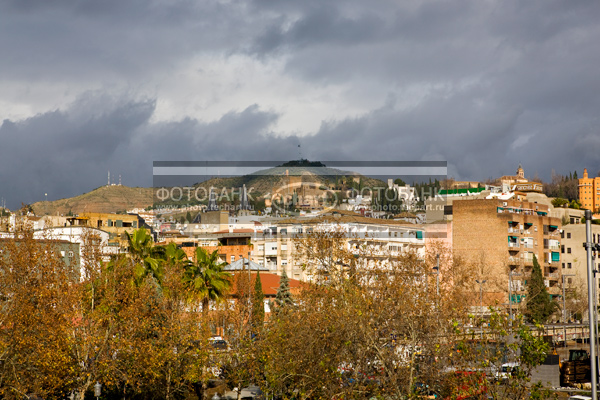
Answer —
(174, 255)
(146, 255)
(206, 279)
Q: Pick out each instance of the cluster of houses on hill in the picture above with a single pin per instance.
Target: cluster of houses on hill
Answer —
(497, 229)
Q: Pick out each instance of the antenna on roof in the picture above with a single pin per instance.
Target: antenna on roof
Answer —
(108, 184)
(119, 179)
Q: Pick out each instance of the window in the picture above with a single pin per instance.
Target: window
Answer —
(568, 235)
(563, 265)
(568, 250)
(568, 265)
(562, 235)
(232, 258)
(562, 249)
(569, 280)
(70, 254)
(284, 262)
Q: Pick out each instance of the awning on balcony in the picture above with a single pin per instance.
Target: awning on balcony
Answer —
(517, 298)
(553, 226)
(555, 256)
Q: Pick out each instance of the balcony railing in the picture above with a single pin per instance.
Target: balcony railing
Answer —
(513, 244)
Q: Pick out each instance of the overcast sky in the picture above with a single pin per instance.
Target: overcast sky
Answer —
(87, 86)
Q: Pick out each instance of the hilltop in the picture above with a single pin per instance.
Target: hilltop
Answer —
(271, 179)
(110, 199)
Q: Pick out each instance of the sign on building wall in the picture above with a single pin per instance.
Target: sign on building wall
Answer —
(529, 187)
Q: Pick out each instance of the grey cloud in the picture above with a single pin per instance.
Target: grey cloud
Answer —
(480, 139)
(114, 40)
(63, 154)
(498, 83)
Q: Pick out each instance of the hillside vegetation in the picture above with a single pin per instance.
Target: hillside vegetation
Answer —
(110, 199)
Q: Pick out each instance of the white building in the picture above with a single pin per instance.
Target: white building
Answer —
(77, 234)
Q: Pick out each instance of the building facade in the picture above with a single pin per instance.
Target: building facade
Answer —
(589, 192)
(500, 238)
(574, 263)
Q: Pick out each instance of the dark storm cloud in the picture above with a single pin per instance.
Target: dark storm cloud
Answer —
(68, 152)
(106, 40)
(483, 84)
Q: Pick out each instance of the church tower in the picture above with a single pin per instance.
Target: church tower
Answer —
(520, 172)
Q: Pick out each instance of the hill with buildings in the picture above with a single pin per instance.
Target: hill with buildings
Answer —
(301, 177)
(105, 199)
(272, 179)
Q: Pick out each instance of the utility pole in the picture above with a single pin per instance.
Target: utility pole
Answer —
(481, 302)
(564, 310)
(437, 275)
(591, 301)
(249, 297)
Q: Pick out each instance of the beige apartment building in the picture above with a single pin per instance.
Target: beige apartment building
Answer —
(274, 244)
(499, 239)
(574, 262)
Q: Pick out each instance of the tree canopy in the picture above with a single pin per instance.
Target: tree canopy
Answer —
(539, 306)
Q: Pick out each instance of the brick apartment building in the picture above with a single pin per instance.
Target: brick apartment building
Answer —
(500, 237)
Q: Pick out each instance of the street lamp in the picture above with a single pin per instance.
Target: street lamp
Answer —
(97, 390)
(564, 309)
(481, 301)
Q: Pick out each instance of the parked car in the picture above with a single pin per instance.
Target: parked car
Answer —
(218, 343)
(507, 371)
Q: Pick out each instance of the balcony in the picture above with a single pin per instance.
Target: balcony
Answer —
(554, 276)
(555, 290)
(514, 260)
(513, 244)
(271, 265)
